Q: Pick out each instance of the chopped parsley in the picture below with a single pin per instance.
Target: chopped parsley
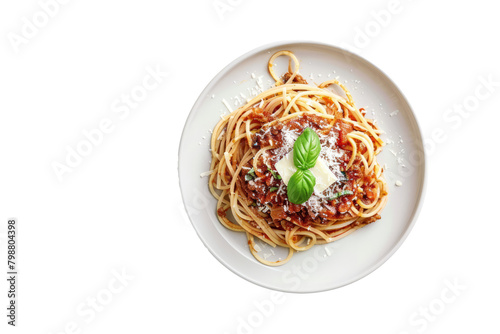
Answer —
(340, 193)
(275, 174)
(250, 175)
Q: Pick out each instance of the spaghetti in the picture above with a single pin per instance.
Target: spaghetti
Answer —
(247, 144)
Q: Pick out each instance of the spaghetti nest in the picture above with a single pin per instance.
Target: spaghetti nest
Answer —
(247, 144)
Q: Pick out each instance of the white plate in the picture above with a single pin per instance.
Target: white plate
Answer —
(323, 267)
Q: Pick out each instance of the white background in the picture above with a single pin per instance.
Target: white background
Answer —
(119, 210)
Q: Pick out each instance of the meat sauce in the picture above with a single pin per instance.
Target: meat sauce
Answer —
(269, 193)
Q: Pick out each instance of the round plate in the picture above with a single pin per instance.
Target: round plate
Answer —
(323, 267)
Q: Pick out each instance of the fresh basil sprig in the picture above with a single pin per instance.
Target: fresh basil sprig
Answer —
(306, 151)
(300, 186)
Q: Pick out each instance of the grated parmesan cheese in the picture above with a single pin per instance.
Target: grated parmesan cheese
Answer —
(327, 251)
(221, 134)
(394, 113)
(207, 173)
(227, 105)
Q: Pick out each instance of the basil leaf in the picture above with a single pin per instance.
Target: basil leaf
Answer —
(300, 186)
(273, 189)
(341, 193)
(274, 173)
(306, 149)
(250, 175)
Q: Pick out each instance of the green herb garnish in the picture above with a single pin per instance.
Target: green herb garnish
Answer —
(300, 186)
(274, 173)
(250, 175)
(273, 189)
(340, 193)
(306, 151)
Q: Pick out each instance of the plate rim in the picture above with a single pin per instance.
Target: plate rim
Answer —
(423, 165)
